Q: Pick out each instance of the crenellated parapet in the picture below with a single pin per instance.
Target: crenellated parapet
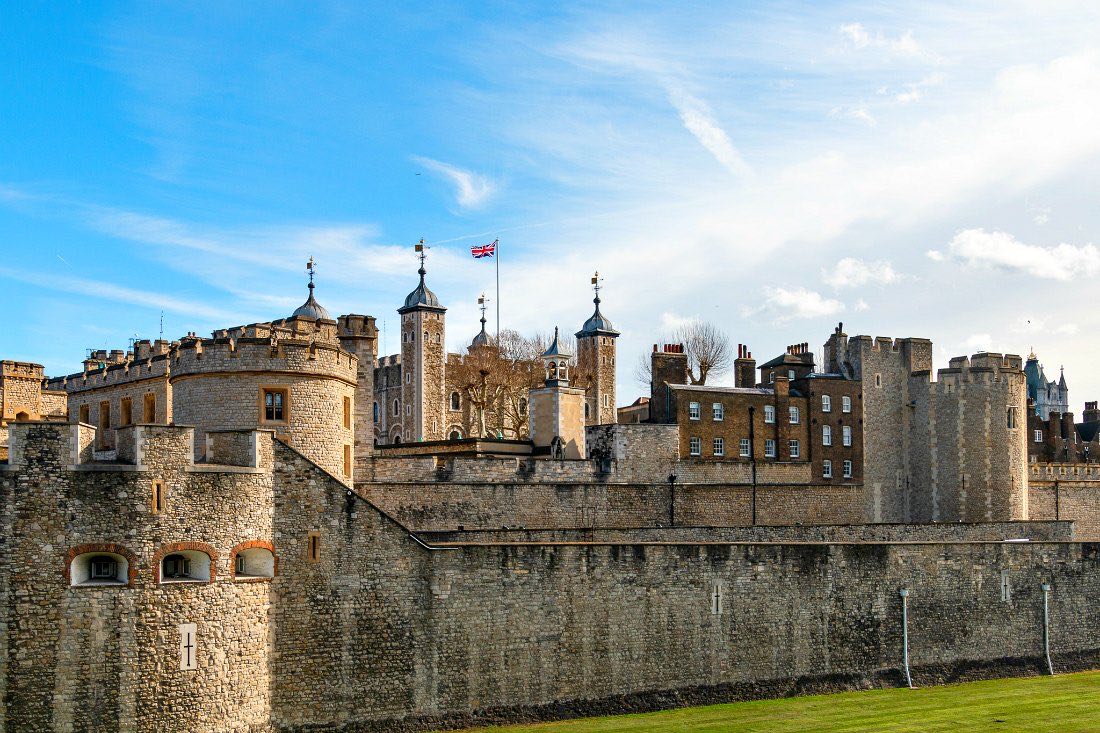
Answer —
(298, 354)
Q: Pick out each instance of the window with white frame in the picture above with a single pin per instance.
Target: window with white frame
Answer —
(826, 469)
(1038, 436)
(846, 435)
(719, 447)
(745, 446)
(826, 403)
(695, 446)
(795, 448)
(719, 411)
(794, 414)
(693, 410)
(826, 435)
(790, 374)
(845, 404)
(847, 469)
(769, 448)
(769, 413)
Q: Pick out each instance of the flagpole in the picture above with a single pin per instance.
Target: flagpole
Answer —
(497, 258)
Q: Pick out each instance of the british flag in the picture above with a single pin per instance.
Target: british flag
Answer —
(484, 250)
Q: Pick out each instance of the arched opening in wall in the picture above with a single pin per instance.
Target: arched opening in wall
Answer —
(185, 566)
(396, 408)
(455, 434)
(396, 439)
(22, 416)
(99, 568)
(587, 410)
(253, 560)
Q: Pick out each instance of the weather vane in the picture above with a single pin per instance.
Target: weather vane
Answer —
(422, 252)
(311, 266)
(596, 279)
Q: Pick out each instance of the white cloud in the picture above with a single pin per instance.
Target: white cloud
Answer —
(471, 189)
(1067, 329)
(699, 121)
(851, 273)
(935, 255)
(902, 45)
(861, 305)
(979, 342)
(913, 92)
(784, 305)
(979, 248)
(853, 113)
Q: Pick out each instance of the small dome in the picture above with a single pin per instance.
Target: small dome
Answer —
(482, 339)
(597, 324)
(311, 308)
(555, 350)
(422, 296)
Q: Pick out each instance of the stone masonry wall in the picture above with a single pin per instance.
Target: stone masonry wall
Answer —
(107, 657)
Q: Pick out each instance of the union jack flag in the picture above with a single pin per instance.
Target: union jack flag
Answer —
(484, 250)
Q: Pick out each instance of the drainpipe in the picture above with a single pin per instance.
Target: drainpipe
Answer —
(672, 500)
(904, 593)
(1046, 627)
(752, 457)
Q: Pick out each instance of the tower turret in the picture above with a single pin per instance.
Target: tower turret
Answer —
(596, 360)
(482, 339)
(423, 360)
(556, 410)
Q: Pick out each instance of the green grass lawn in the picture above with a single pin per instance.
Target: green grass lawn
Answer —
(1062, 703)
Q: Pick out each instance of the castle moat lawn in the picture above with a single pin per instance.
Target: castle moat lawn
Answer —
(1061, 703)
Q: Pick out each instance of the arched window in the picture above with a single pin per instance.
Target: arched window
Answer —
(587, 410)
(253, 559)
(455, 435)
(396, 408)
(426, 339)
(396, 439)
(185, 566)
(99, 568)
(456, 401)
(376, 412)
(22, 416)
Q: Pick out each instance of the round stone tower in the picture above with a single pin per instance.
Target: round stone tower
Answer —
(291, 376)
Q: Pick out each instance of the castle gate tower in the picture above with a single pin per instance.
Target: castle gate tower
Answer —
(596, 356)
(423, 361)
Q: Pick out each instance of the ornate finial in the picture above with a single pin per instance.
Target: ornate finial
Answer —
(481, 301)
(311, 266)
(596, 286)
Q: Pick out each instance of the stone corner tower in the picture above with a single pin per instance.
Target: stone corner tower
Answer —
(556, 410)
(423, 361)
(596, 355)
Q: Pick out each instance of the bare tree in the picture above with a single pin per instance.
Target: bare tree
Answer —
(707, 348)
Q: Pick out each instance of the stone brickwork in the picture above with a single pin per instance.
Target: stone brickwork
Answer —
(367, 627)
(968, 456)
(596, 358)
(358, 335)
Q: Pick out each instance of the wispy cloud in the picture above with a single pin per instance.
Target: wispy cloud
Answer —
(471, 189)
(853, 273)
(904, 44)
(699, 120)
(121, 294)
(783, 304)
(981, 249)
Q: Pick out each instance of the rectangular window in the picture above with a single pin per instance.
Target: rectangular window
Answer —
(693, 410)
(794, 414)
(745, 446)
(878, 380)
(127, 416)
(795, 448)
(826, 403)
(826, 435)
(846, 435)
(719, 447)
(84, 418)
(313, 547)
(695, 446)
(716, 599)
(149, 408)
(104, 415)
(1011, 417)
(769, 448)
(274, 405)
(790, 374)
(769, 413)
(847, 469)
(1038, 436)
(845, 404)
(347, 413)
(719, 411)
(826, 469)
(160, 496)
(347, 460)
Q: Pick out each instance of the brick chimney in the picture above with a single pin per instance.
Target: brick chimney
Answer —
(668, 365)
(744, 368)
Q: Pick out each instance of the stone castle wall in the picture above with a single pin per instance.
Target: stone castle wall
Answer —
(1069, 491)
(218, 385)
(379, 630)
(108, 657)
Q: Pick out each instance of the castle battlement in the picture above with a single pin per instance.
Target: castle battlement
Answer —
(196, 356)
(354, 325)
(114, 374)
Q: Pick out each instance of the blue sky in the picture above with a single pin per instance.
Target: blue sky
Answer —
(913, 169)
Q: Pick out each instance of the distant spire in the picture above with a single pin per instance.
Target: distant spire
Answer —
(311, 308)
